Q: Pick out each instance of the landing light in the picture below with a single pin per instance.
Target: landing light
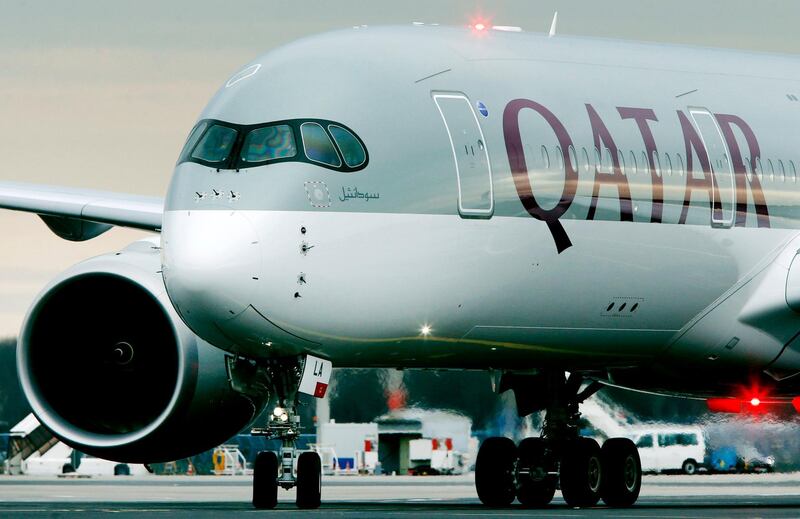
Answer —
(755, 402)
(425, 330)
(278, 411)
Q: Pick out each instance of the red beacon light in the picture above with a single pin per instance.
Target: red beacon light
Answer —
(480, 26)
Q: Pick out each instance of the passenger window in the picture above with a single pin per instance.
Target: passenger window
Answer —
(645, 164)
(608, 161)
(634, 166)
(668, 164)
(645, 441)
(352, 150)
(781, 171)
(679, 160)
(793, 170)
(657, 163)
(759, 169)
(585, 160)
(771, 170)
(748, 172)
(216, 144)
(573, 157)
(559, 158)
(269, 143)
(194, 136)
(545, 158)
(318, 146)
(621, 159)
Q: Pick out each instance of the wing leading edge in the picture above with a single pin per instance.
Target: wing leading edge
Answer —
(81, 214)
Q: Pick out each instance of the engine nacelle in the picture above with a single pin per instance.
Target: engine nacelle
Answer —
(109, 367)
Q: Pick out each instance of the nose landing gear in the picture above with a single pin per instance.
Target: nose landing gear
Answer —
(532, 470)
(272, 470)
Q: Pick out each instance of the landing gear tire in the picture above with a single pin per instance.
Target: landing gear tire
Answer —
(309, 480)
(494, 472)
(581, 472)
(689, 467)
(535, 487)
(265, 480)
(621, 472)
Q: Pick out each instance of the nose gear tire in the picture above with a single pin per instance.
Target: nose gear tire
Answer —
(309, 480)
(265, 480)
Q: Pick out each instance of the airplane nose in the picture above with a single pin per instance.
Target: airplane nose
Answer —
(211, 263)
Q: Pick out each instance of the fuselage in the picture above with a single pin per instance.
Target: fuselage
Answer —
(524, 201)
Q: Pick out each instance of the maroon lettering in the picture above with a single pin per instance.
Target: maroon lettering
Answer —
(603, 140)
(762, 212)
(519, 168)
(693, 141)
(642, 116)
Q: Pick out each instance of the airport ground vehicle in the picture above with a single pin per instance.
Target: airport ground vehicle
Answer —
(670, 448)
(433, 456)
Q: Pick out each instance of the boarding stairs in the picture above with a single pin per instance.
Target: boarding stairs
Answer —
(27, 439)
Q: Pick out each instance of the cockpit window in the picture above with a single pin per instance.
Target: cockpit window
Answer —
(197, 132)
(352, 151)
(318, 145)
(269, 143)
(216, 144)
(223, 145)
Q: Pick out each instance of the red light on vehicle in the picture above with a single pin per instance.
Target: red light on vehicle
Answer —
(755, 402)
(796, 403)
(435, 444)
(724, 405)
(448, 442)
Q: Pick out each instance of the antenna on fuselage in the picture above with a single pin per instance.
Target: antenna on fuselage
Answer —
(553, 25)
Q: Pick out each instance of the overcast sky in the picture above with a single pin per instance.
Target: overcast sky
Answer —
(101, 94)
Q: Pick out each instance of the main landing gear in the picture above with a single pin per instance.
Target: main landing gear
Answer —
(532, 470)
(273, 470)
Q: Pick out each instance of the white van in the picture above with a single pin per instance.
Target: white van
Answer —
(668, 448)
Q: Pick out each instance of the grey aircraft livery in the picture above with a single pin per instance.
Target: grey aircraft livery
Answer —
(564, 213)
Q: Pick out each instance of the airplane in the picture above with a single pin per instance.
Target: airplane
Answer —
(565, 213)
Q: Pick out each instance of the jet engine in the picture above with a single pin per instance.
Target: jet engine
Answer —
(109, 367)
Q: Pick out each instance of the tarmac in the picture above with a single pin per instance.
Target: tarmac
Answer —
(196, 497)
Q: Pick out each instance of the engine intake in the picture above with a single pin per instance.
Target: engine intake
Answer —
(111, 370)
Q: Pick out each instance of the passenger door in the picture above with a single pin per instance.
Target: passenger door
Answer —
(473, 170)
(723, 190)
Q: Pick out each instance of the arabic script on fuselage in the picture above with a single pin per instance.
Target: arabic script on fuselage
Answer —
(352, 193)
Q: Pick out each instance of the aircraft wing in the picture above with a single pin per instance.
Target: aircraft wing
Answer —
(82, 214)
